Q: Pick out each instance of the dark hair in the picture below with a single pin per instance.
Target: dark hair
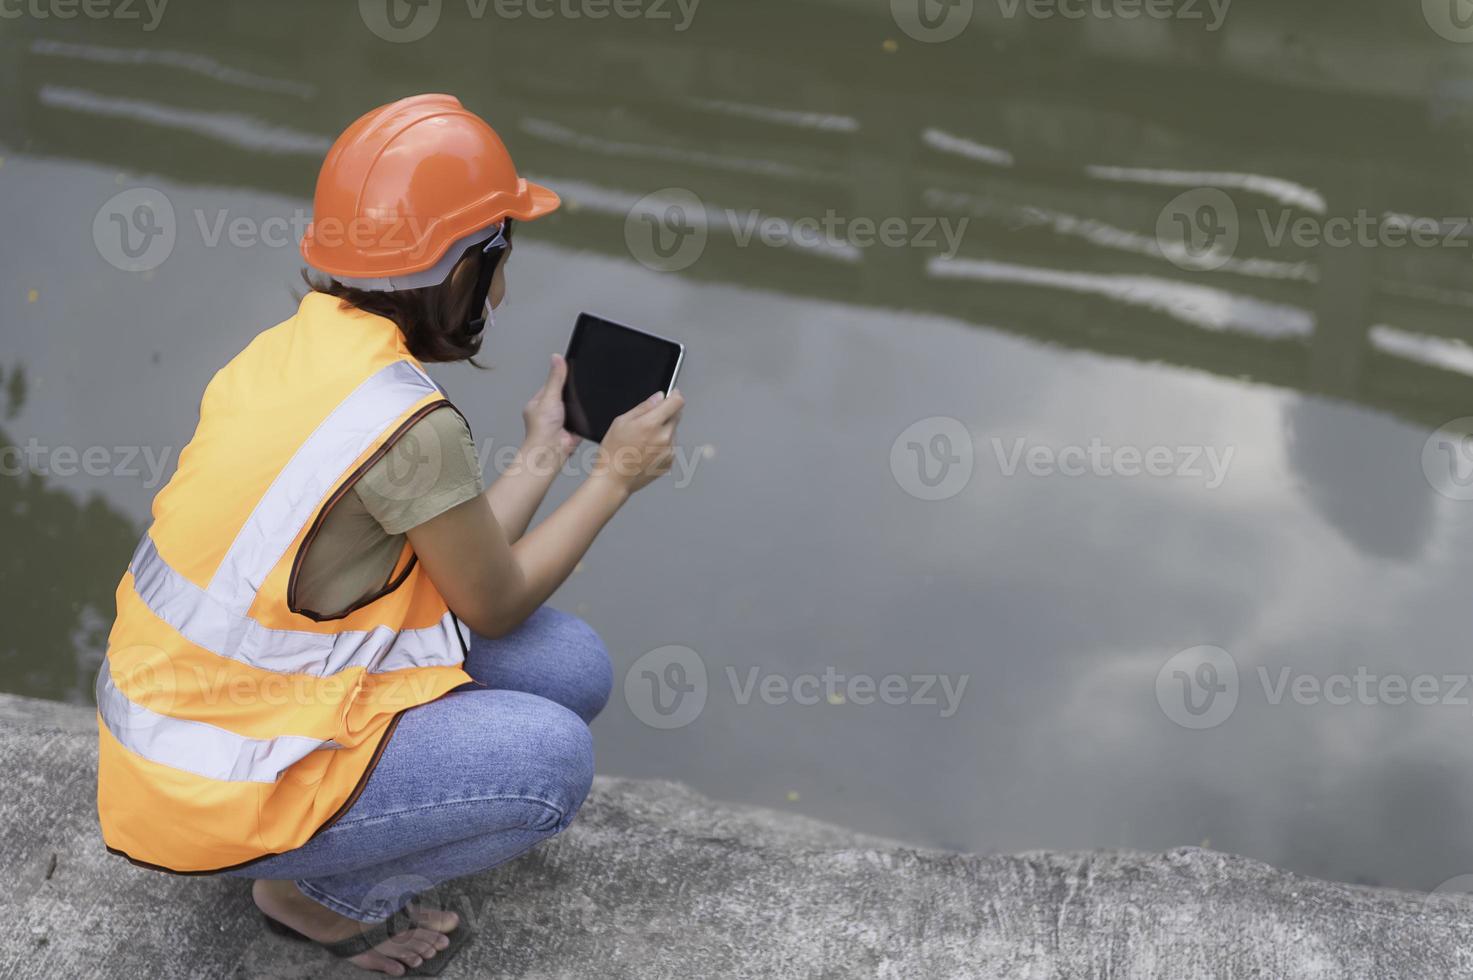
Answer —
(433, 319)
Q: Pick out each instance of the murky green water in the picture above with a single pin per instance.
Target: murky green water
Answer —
(1282, 391)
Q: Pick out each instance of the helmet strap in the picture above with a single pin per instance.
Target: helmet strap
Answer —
(490, 255)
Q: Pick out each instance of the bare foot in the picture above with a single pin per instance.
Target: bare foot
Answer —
(286, 904)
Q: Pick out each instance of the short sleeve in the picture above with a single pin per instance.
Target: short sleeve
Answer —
(430, 469)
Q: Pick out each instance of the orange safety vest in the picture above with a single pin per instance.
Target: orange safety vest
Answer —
(232, 725)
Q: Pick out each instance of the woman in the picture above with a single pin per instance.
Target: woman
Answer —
(289, 693)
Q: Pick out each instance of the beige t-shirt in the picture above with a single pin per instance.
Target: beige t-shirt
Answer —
(431, 469)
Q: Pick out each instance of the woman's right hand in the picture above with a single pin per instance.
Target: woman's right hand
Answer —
(492, 585)
(640, 444)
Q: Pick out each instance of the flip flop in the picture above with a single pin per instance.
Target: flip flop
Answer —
(377, 933)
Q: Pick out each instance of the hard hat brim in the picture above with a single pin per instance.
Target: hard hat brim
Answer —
(543, 200)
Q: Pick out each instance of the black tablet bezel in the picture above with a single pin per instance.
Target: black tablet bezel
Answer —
(588, 321)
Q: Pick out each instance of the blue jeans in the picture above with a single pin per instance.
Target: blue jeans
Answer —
(468, 781)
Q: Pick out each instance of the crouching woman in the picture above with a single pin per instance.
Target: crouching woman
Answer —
(332, 670)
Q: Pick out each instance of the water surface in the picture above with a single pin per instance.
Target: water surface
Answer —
(801, 544)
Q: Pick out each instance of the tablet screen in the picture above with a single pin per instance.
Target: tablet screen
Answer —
(611, 369)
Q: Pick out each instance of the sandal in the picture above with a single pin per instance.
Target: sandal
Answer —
(376, 933)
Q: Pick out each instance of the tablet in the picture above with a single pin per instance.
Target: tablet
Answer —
(611, 369)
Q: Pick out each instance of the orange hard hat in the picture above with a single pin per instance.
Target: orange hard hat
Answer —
(407, 188)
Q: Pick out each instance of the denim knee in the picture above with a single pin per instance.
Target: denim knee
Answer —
(557, 746)
(575, 762)
(582, 653)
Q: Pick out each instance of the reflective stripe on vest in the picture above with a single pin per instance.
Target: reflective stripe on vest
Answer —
(205, 750)
(216, 619)
(202, 620)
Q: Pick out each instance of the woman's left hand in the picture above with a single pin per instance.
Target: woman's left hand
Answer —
(544, 414)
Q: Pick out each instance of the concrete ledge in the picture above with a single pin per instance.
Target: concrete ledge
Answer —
(655, 881)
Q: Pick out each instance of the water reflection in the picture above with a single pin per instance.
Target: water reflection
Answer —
(1345, 469)
(58, 569)
(1058, 315)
